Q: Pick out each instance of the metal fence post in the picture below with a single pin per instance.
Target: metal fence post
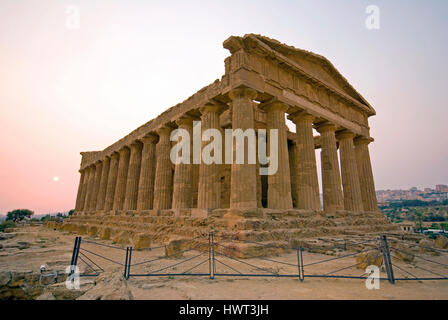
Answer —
(126, 263)
(75, 254)
(213, 256)
(129, 263)
(387, 259)
(300, 263)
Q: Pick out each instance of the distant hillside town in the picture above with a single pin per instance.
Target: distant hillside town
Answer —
(439, 194)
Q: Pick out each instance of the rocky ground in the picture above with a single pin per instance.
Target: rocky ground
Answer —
(23, 250)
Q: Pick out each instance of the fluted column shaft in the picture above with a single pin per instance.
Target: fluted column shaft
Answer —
(365, 174)
(78, 206)
(85, 186)
(349, 173)
(135, 160)
(111, 182)
(182, 181)
(292, 150)
(307, 181)
(90, 188)
(163, 183)
(147, 173)
(279, 184)
(243, 181)
(331, 178)
(209, 186)
(96, 186)
(103, 185)
(120, 190)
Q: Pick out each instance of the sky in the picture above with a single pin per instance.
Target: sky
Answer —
(79, 75)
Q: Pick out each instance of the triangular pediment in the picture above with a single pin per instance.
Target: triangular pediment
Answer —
(312, 64)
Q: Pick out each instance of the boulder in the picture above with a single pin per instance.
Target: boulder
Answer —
(82, 229)
(441, 242)
(46, 296)
(403, 253)
(105, 233)
(109, 286)
(142, 241)
(92, 231)
(425, 246)
(123, 237)
(365, 259)
(175, 248)
(6, 236)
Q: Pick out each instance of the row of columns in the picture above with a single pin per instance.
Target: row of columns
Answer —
(141, 177)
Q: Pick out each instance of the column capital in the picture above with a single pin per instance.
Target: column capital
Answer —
(213, 106)
(149, 138)
(114, 155)
(124, 151)
(362, 140)
(164, 130)
(301, 115)
(184, 120)
(135, 145)
(325, 127)
(345, 134)
(273, 105)
(242, 92)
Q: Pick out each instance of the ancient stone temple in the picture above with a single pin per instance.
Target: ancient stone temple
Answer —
(132, 188)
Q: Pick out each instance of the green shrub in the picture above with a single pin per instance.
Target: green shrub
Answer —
(7, 224)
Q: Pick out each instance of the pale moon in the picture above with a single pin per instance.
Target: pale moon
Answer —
(55, 179)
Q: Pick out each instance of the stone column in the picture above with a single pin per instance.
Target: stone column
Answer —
(111, 182)
(182, 181)
(331, 178)
(78, 206)
(349, 172)
(243, 181)
(103, 185)
(96, 186)
(120, 190)
(279, 184)
(147, 173)
(90, 188)
(82, 206)
(163, 183)
(307, 181)
(85, 188)
(209, 186)
(365, 174)
(292, 151)
(135, 160)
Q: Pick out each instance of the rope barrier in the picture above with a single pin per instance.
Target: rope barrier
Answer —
(253, 266)
(336, 258)
(227, 266)
(119, 263)
(104, 245)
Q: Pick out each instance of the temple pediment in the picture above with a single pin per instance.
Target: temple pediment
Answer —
(311, 65)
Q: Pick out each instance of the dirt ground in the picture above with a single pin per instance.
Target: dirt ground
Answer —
(32, 246)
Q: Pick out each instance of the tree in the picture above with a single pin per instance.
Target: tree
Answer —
(19, 214)
(71, 212)
(418, 220)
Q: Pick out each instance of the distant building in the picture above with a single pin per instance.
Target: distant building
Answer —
(441, 188)
(406, 227)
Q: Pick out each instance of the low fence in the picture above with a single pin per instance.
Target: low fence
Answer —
(208, 257)
(94, 259)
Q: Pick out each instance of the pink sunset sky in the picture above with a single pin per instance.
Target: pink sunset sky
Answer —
(65, 89)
